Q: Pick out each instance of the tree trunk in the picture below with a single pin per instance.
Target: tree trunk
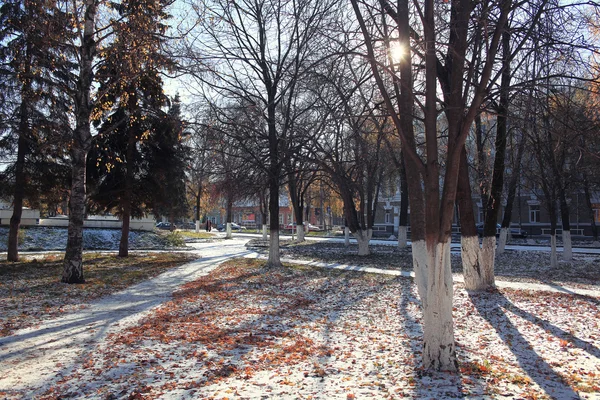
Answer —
(347, 236)
(197, 216)
(402, 236)
(403, 217)
(567, 254)
(20, 179)
(439, 352)
(588, 202)
(553, 256)
(362, 238)
(300, 231)
(510, 199)
(73, 262)
(264, 231)
(567, 246)
(478, 271)
(229, 217)
(274, 258)
(127, 195)
(502, 239)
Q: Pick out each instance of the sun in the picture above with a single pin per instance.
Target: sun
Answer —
(397, 52)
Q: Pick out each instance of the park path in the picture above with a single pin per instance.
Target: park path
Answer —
(34, 358)
(38, 356)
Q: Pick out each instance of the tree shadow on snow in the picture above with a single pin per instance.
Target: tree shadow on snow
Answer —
(493, 307)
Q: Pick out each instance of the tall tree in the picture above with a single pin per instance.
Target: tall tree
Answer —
(257, 53)
(131, 88)
(166, 154)
(432, 203)
(29, 65)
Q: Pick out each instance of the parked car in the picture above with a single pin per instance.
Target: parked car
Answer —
(514, 232)
(234, 227)
(311, 227)
(189, 225)
(165, 226)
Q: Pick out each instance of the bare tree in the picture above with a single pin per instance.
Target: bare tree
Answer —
(432, 204)
(256, 51)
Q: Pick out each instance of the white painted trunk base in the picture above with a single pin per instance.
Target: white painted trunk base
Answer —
(487, 258)
(264, 232)
(228, 234)
(363, 238)
(197, 226)
(478, 262)
(346, 236)
(439, 351)
(567, 254)
(419, 256)
(274, 259)
(504, 232)
(300, 229)
(402, 237)
(553, 257)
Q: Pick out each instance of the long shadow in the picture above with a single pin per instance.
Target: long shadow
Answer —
(81, 331)
(490, 306)
(301, 306)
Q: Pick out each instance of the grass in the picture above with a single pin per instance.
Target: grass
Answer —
(197, 235)
(31, 291)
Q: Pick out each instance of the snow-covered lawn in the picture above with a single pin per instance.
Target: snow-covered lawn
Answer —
(308, 333)
(53, 238)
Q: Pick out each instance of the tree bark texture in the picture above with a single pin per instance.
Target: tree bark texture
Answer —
(20, 178)
(80, 146)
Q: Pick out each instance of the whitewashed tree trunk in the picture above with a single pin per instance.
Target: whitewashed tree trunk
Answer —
(264, 232)
(362, 238)
(553, 257)
(347, 236)
(274, 259)
(486, 261)
(439, 351)
(419, 256)
(228, 234)
(197, 226)
(300, 233)
(469, 250)
(502, 240)
(567, 254)
(402, 237)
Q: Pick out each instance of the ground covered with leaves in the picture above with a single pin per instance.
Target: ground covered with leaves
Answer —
(250, 332)
(31, 291)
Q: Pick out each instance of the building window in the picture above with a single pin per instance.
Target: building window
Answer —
(387, 216)
(596, 208)
(534, 213)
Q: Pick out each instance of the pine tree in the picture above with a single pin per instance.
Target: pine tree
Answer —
(29, 68)
(166, 157)
(134, 103)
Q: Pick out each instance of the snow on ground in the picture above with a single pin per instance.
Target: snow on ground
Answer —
(247, 332)
(54, 238)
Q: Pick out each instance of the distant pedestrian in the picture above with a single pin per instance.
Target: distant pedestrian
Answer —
(209, 226)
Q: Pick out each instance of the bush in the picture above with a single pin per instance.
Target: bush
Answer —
(175, 239)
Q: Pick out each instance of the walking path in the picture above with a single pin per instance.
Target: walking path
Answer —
(35, 356)
(55, 349)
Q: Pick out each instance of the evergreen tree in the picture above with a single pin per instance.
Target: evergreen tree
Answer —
(32, 109)
(166, 156)
(133, 104)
